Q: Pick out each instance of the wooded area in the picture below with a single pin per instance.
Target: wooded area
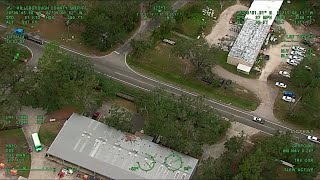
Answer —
(262, 161)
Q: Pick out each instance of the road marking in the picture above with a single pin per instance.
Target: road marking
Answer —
(116, 52)
(221, 104)
(123, 81)
(245, 119)
(125, 60)
(134, 79)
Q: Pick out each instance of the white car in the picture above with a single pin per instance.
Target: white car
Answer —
(314, 139)
(280, 84)
(292, 62)
(293, 57)
(288, 99)
(297, 53)
(257, 119)
(285, 74)
(298, 48)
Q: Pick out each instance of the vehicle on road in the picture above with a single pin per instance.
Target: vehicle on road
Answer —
(314, 139)
(281, 84)
(289, 93)
(29, 36)
(288, 99)
(284, 73)
(292, 62)
(257, 119)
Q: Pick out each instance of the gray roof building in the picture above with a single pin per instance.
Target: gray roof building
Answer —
(249, 41)
(111, 153)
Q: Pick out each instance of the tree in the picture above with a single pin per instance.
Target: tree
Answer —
(120, 119)
(109, 22)
(185, 123)
(197, 51)
(62, 80)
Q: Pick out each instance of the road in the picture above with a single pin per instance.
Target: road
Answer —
(114, 66)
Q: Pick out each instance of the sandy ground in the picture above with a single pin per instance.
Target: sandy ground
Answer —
(267, 93)
(218, 149)
(275, 53)
(222, 26)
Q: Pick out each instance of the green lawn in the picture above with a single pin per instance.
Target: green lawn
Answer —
(190, 22)
(49, 130)
(233, 69)
(21, 158)
(162, 64)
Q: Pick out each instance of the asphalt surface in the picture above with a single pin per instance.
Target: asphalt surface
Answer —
(114, 66)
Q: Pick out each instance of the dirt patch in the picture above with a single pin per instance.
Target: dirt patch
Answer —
(236, 128)
(222, 26)
(62, 114)
(126, 104)
(275, 52)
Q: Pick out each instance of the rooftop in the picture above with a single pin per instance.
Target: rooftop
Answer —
(109, 152)
(253, 33)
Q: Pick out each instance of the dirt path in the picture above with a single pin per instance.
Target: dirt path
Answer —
(222, 26)
(266, 92)
(275, 53)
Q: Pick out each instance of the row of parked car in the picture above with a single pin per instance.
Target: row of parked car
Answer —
(296, 56)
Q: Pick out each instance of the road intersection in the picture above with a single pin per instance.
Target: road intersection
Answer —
(114, 66)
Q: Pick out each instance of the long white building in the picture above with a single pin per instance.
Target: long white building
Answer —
(257, 23)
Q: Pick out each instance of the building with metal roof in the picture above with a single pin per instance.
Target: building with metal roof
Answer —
(108, 152)
(258, 21)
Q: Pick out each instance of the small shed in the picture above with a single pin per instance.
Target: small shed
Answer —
(243, 68)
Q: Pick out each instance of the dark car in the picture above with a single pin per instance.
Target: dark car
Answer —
(289, 93)
(96, 115)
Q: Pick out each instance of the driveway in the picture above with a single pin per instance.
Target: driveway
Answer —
(266, 92)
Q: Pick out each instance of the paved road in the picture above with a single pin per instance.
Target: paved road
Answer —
(114, 66)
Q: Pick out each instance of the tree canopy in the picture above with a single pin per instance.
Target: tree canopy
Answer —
(109, 23)
(61, 80)
(185, 123)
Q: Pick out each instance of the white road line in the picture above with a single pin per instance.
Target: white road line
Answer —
(125, 60)
(221, 104)
(124, 82)
(116, 52)
(134, 79)
(244, 119)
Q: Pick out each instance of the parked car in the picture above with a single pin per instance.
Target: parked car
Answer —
(280, 84)
(298, 48)
(293, 57)
(96, 115)
(289, 93)
(292, 62)
(288, 99)
(257, 119)
(297, 53)
(284, 73)
(314, 139)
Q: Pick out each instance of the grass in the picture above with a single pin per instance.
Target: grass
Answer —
(162, 64)
(59, 33)
(233, 69)
(49, 130)
(17, 138)
(191, 22)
